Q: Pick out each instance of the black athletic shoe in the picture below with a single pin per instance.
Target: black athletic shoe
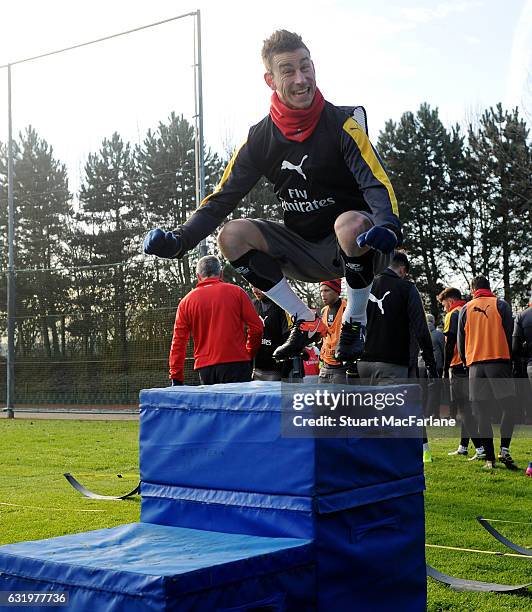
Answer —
(303, 333)
(351, 342)
(506, 459)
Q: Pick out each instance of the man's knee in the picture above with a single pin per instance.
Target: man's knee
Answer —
(232, 234)
(239, 236)
(347, 227)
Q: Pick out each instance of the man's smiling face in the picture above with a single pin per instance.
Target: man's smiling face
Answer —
(293, 78)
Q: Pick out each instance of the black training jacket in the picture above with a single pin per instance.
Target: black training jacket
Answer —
(275, 332)
(334, 170)
(522, 337)
(395, 312)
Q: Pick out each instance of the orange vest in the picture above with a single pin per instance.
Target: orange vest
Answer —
(330, 340)
(485, 339)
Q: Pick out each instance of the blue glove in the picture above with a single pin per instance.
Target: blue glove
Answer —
(379, 238)
(164, 244)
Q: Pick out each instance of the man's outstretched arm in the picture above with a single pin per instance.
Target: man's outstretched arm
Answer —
(238, 179)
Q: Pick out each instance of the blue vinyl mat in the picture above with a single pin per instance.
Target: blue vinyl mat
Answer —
(216, 458)
(230, 437)
(143, 566)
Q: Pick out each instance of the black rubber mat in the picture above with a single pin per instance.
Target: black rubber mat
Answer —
(86, 493)
(498, 536)
(460, 584)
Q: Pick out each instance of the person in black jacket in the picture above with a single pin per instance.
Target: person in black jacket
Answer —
(340, 213)
(522, 353)
(432, 399)
(395, 310)
(396, 318)
(522, 341)
(276, 328)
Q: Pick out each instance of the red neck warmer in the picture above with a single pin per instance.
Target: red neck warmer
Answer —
(296, 124)
(457, 304)
(483, 293)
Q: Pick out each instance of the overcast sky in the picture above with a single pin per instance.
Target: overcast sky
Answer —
(461, 56)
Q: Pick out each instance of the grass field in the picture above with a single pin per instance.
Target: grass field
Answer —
(37, 502)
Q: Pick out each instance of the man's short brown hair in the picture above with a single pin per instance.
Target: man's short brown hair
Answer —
(449, 293)
(400, 258)
(480, 282)
(280, 41)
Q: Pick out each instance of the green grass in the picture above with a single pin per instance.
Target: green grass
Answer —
(457, 492)
(34, 455)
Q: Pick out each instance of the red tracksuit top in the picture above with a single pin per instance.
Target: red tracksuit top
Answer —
(215, 313)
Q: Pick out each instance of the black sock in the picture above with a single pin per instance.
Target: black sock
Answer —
(359, 270)
(489, 449)
(508, 420)
(259, 269)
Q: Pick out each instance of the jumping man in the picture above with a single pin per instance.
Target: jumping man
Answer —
(340, 215)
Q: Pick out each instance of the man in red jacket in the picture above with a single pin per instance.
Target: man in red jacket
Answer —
(225, 328)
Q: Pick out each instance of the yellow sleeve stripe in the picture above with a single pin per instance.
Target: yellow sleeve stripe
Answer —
(447, 323)
(225, 175)
(357, 133)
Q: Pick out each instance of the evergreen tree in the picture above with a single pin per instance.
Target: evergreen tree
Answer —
(420, 156)
(108, 224)
(168, 185)
(42, 205)
(500, 171)
(470, 225)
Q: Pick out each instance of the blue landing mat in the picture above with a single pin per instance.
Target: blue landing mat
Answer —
(140, 567)
(230, 437)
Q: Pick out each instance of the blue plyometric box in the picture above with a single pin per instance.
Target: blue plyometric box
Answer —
(238, 516)
(216, 458)
(230, 437)
(144, 567)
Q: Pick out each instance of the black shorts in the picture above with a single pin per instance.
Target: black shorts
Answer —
(459, 380)
(307, 261)
(490, 380)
